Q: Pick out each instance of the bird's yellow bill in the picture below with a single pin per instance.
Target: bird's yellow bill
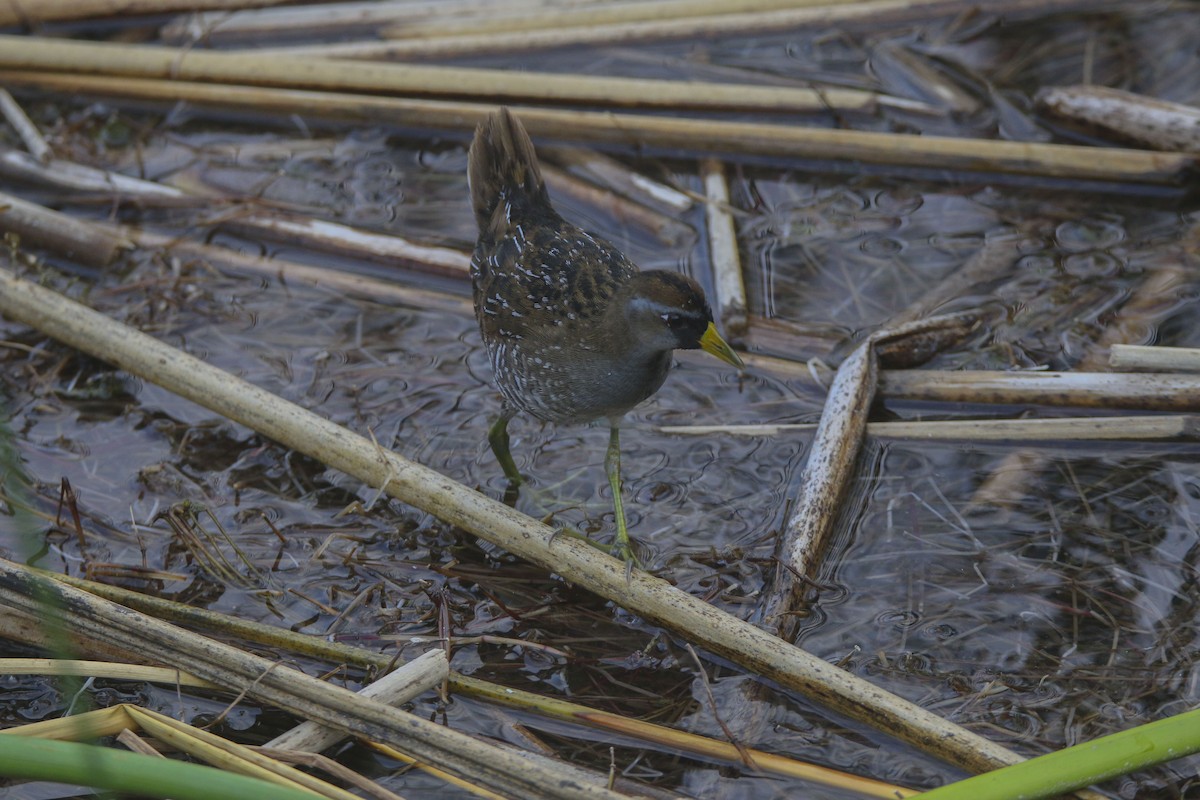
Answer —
(711, 342)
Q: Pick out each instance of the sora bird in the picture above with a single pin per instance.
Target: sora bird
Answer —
(574, 330)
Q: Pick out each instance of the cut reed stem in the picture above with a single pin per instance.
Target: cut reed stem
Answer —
(1150, 428)
(1162, 359)
(33, 13)
(500, 86)
(677, 135)
(36, 226)
(723, 253)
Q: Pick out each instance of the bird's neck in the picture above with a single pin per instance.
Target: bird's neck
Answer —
(635, 350)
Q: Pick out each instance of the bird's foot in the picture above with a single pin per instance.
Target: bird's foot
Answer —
(512, 492)
(622, 548)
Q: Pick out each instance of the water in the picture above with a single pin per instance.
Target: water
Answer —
(1067, 613)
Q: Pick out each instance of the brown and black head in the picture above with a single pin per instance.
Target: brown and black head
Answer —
(667, 310)
(573, 329)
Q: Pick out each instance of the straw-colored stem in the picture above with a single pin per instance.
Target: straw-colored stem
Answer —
(1155, 297)
(297, 72)
(202, 745)
(1155, 123)
(293, 272)
(1148, 428)
(18, 166)
(333, 18)
(1160, 359)
(723, 254)
(731, 21)
(35, 12)
(575, 560)
(618, 177)
(830, 467)
(662, 18)
(1142, 392)
(101, 669)
(37, 226)
(674, 134)
(313, 761)
(230, 756)
(396, 688)
(131, 741)
(20, 122)
(667, 230)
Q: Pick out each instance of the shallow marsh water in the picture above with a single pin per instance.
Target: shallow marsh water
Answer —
(1066, 613)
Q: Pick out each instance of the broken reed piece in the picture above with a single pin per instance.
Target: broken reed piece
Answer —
(292, 272)
(833, 455)
(1148, 428)
(20, 122)
(1155, 123)
(1154, 299)
(606, 171)
(33, 13)
(396, 688)
(1108, 390)
(319, 234)
(284, 687)
(80, 178)
(729, 295)
(641, 23)
(1158, 359)
(37, 226)
(668, 230)
(35, 223)
(291, 642)
(670, 133)
(341, 239)
(396, 79)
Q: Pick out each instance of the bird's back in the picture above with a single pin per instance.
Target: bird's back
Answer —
(542, 286)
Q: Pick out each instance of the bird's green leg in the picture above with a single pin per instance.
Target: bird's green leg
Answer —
(498, 439)
(612, 467)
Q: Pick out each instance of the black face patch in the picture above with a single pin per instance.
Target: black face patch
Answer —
(679, 303)
(689, 327)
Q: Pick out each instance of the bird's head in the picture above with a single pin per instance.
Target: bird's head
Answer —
(667, 311)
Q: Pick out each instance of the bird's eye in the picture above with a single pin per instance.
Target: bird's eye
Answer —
(670, 319)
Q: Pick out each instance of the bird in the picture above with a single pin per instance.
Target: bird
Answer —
(574, 330)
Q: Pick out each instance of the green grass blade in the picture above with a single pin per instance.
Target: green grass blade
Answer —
(130, 773)
(1082, 765)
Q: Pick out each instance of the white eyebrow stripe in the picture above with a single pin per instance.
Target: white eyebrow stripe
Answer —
(653, 306)
(660, 309)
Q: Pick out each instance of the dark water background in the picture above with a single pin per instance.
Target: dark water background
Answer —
(1068, 613)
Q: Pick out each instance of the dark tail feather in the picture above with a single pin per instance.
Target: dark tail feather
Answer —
(502, 166)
